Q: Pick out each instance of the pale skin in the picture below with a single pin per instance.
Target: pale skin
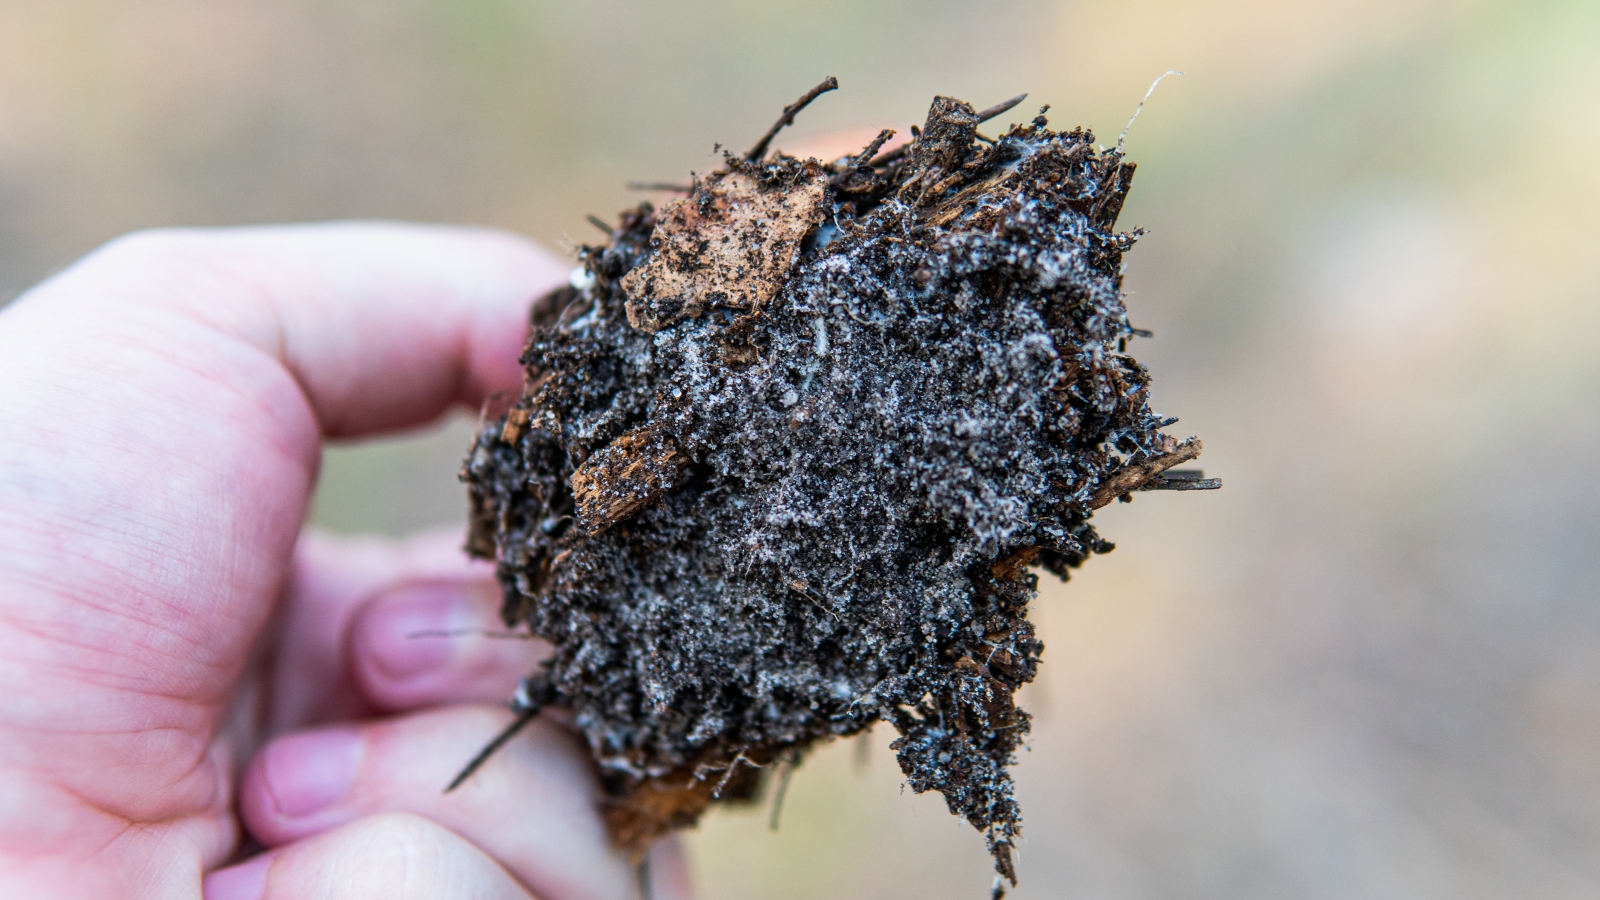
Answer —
(197, 697)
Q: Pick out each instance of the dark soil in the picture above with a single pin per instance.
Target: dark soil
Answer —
(792, 446)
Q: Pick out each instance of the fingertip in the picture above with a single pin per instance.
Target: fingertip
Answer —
(496, 339)
(670, 877)
(387, 856)
(297, 783)
(532, 806)
(322, 671)
(382, 325)
(245, 881)
(426, 643)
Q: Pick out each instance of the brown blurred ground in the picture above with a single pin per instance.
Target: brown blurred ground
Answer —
(1368, 668)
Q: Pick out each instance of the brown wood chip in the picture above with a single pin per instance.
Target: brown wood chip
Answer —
(729, 244)
(622, 478)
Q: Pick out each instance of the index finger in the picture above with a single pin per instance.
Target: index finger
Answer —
(383, 325)
(162, 405)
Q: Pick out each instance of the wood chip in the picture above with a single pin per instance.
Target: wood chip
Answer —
(729, 244)
(626, 475)
(1136, 476)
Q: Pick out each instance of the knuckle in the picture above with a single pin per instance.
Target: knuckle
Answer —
(400, 838)
(409, 857)
(152, 262)
(150, 245)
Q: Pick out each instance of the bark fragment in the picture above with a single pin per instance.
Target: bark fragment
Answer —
(730, 244)
(631, 471)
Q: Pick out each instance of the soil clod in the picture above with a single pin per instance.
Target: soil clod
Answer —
(793, 447)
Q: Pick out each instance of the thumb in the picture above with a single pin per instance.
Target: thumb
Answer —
(394, 856)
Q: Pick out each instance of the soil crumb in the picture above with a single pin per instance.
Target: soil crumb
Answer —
(792, 447)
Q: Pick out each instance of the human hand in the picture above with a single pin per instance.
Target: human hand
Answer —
(162, 407)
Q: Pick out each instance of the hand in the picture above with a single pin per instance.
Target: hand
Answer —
(162, 408)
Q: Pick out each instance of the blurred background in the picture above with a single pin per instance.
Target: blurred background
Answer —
(1369, 667)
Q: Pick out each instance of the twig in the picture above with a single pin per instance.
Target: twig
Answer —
(861, 159)
(789, 764)
(1140, 108)
(506, 734)
(890, 156)
(531, 697)
(789, 112)
(477, 632)
(659, 186)
(1137, 475)
(1172, 481)
(600, 223)
(999, 108)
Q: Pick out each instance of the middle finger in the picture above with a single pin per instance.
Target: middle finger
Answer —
(533, 806)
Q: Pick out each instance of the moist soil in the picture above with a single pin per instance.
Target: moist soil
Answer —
(792, 447)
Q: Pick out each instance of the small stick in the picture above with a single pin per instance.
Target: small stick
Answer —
(860, 159)
(472, 632)
(1183, 484)
(891, 155)
(999, 108)
(783, 790)
(1133, 477)
(641, 872)
(506, 734)
(531, 697)
(789, 112)
(600, 223)
(1140, 108)
(659, 186)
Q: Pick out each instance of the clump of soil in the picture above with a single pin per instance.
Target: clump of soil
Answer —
(791, 446)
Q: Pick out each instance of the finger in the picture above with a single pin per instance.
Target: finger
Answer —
(161, 405)
(374, 624)
(533, 806)
(382, 326)
(427, 643)
(668, 869)
(384, 857)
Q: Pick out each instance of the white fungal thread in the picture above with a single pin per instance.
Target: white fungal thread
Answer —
(1140, 108)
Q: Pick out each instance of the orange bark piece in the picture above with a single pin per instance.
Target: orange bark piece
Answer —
(730, 244)
(620, 479)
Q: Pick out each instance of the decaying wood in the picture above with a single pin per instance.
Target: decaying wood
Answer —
(622, 478)
(516, 420)
(730, 244)
(664, 803)
(1011, 567)
(1135, 476)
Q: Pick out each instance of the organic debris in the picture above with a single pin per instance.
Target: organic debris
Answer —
(791, 445)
